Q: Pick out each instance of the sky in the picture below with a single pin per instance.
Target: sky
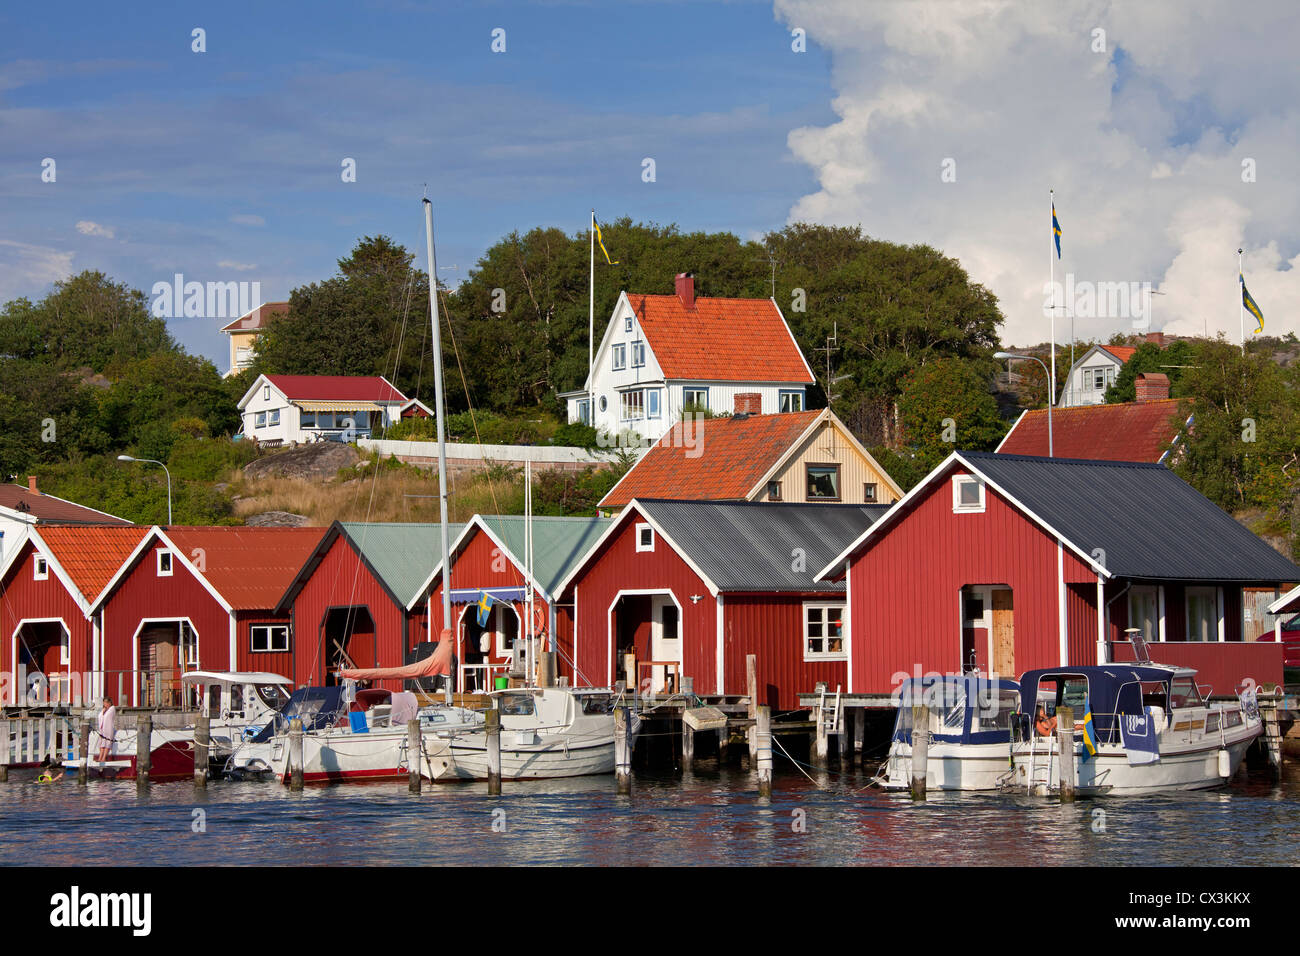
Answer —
(1168, 136)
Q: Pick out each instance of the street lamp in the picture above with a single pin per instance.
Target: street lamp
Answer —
(1051, 390)
(154, 461)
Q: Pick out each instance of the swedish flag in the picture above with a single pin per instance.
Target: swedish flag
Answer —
(484, 608)
(612, 262)
(1056, 230)
(1250, 305)
(1089, 737)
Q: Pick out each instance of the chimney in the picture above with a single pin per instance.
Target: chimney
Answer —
(748, 403)
(1152, 386)
(1156, 338)
(686, 289)
(31, 485)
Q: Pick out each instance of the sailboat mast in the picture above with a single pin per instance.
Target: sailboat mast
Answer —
(439, 411)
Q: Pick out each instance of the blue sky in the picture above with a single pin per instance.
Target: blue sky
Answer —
(225, 165)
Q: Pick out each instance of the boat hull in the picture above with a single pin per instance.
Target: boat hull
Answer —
(354, 758)
(543, 761)
(950, 766)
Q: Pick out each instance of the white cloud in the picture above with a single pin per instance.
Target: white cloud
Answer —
(1143, 143)
(237, 266)
(247, 219)
(88, 228)
(27, 268)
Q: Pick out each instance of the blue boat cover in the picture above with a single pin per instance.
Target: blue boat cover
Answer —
(319, 707)
(1114, 690)
(960, 699)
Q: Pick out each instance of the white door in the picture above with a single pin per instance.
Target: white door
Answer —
(665, 644)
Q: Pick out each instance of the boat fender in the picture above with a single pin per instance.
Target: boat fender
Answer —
(1225, 764)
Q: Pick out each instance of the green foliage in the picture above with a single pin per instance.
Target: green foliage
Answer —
(575, 435)
(413, 429)
(946, 404)
(137, 492)
(1150, 357)
(557, 492)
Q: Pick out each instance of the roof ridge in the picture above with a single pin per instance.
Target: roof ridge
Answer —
(1098, 462)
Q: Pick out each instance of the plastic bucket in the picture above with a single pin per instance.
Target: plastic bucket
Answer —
(501, 683)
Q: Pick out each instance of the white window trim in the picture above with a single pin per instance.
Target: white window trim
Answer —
(171, 564)
(37, 574)
(270, 648)
(842, 655)
(638, 354)
(65, 647)
(266, 393)
(796, 394)
(1154, 592)
(645, 526)
(658, 403)
(273, 418)
(617, 358)
(1212, 594)
(957, 506)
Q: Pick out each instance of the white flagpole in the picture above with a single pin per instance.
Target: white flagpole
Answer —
(591, 319)
(1241, 301)
(1051, 271)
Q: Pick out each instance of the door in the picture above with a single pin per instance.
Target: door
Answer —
(666, 647)
(975, 629)
(1004, 636)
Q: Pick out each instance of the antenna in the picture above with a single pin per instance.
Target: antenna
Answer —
(832, 345)
(773, 261)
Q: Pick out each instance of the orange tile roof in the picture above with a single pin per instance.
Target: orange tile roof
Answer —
(724, 340)
(727, 457)
(1121, 352)
(1132, 431)
(91, 555)
(257, 319)
(250, 567)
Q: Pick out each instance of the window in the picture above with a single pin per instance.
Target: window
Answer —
(308, 419)
(638, 354)
(632, 405)
(324, 419)
(603, 403)
(869, 492)
(273, 417)
(774, 491)
(65, 650)
(652, 403)
(189, 645)
(269, 637)
(792, 401)
(645, 537)
(967, 494)
(40, 569)
(823, 632)
(696, 398)
(627, 324)
(584, 411)
(260, 420)
(1202, 614)
(164, 563)
(618, 357)
(1144, 612)
(823, 482)
(266, 393)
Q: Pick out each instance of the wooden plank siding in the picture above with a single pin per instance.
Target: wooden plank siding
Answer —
(23, 598)
(770, 626)
(828, 446)
(247, 659)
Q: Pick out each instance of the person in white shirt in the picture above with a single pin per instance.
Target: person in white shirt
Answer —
(107, 729)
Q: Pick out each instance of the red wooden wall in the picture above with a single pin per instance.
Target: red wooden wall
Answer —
(24, 598)
(770, 626)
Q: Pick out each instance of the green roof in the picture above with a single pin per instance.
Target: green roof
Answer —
(402, 554)
(558, 543)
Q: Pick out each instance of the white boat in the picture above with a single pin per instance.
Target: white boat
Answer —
(368, 740)
(545, 732)
(238, 704)
(1150, 725)
(970, 733)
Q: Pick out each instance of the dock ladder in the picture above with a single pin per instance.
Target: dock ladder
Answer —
(832, 711)
(1040, 765)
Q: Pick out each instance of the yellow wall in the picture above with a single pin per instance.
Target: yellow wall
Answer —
(829, 445)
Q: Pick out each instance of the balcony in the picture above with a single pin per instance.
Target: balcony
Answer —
(1223, 666)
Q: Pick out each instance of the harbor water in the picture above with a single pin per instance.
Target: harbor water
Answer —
(707, 816)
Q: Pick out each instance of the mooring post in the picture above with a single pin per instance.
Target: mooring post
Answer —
(546, 669)
(920, 749)
(622, 751)
(688, 743)
(819, 744)
(4, 750)
(414, 754)
(202, 736)
(763, 734)
(629, 673)
(751, 688)
(143, 750)
(492, 725)
(843, 738)
(295, 755)
(1065, 749)
(724, 741)
(859, 732)
(83, 767)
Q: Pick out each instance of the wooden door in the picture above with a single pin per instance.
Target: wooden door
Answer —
(1004, 636)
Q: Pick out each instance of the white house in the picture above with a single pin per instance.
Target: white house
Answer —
(1095, 372)
(662, 353)
(293, 409)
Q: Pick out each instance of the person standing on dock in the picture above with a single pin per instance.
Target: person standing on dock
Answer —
(107, 729)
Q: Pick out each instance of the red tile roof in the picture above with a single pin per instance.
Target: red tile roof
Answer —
(336, 388)
(1121, 352)
(724, 340)
(91, 556)
(259, 318)
(250, 567)
(725, 459)
(51, 510)
(1133, 431)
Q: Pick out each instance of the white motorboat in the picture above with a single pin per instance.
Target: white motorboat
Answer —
(970, 733)
(238, 704)
(1138, 728)
(545, 732)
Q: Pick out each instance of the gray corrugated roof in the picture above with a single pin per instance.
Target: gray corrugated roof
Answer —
(750, 546)
(1149, 522)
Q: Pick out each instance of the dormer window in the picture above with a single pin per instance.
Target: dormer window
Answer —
(967, 494)
(645, 537)
(164, 563)
(40, 569)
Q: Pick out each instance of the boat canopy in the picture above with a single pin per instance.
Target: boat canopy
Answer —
(319, 707)
(973, 709)
(237, 677)
(1112, 690)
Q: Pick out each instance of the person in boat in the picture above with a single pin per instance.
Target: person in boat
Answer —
(1044, 726)
(107, 729)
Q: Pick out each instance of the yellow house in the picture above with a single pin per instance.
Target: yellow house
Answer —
(244, 332)
(790, 457)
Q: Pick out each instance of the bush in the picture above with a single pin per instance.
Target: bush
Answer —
(575, 435)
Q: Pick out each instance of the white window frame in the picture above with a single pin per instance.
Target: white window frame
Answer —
(823, 608)
(259, 420)
(642, 528)
(638, 354)
(1216, 629)
(625, 403)
(266, 393)
(653, 406)
(627, 323)
(617, 358)
(957, 506)
(702, 390)
(1153, 592)
(271, 645)
(65, 647)
(40, 568)
(273, 417)
(186, 630)
(171, 562)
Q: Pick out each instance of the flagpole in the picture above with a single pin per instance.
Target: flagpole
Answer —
(1051, 271)
(1241, 301)
(591, 319)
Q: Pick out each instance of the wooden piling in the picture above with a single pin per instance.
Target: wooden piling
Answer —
(920, 749)
(202, 738)
(688, 745)
(492, 726)
(629, 674)
(546, 669)
(763, 734)
(724, 743)
(751, 688)
(622, 751)
(1065, 751)
(83, 764)
(143, 750)
(819, 748)
(414, 755)
(295, 755)
(859, 731)
(4, 751)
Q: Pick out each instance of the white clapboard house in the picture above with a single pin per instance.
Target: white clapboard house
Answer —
(297, 409)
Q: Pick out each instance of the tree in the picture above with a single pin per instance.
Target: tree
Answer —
(1150, 357)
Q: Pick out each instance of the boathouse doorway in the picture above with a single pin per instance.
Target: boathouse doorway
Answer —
(648, 624)
(988, 638)
(348, 636)
(165, 650)
(489, 644)
(42, 651)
